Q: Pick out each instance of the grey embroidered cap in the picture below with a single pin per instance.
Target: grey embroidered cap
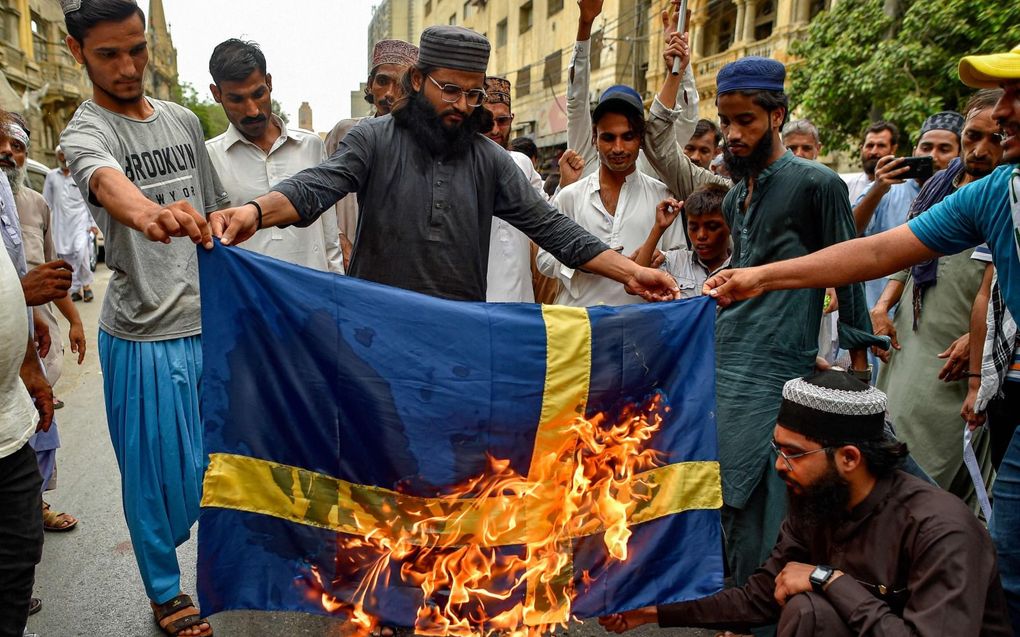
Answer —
(453, 47)
(70, 6)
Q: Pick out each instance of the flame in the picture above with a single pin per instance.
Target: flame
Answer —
(590, 483)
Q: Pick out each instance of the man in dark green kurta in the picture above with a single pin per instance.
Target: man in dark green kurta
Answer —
(781, 207)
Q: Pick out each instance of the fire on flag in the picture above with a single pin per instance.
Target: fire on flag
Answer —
(459, 468)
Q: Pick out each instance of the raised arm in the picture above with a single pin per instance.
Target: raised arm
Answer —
(886, 176)
(665, 214)
(661, 145)
(578, 82)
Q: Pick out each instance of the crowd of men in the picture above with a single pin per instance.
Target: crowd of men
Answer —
(874, 470)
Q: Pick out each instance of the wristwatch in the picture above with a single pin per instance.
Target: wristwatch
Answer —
(820, 577)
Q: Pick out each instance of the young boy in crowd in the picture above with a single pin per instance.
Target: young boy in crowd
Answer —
(709, 236)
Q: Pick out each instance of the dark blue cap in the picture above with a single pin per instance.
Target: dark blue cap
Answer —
(623, 94)
(751, 74)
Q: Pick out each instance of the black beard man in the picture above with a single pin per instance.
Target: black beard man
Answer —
(753, 164)
(823, 503)
(418, 115)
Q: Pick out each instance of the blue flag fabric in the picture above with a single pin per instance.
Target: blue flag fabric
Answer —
(322, 394)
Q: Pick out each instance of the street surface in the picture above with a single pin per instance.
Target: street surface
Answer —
(88, 580)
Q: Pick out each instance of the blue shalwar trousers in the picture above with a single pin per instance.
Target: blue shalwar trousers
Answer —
(152, 409)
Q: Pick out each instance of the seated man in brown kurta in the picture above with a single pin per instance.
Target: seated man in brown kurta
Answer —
(865, 549)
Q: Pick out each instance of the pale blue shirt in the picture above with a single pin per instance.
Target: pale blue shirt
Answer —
(892, 211)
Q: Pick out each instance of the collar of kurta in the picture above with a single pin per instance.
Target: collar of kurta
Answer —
(596, 182)
(234, 136)
(871, 503)
(784, 160)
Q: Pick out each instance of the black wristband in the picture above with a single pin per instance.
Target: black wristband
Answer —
(258, 208)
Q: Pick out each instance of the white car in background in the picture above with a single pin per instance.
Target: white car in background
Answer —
(36, 175)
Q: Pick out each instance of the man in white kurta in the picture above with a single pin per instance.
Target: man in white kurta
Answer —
(623, 225)
(509, 274)
(246, 172)
(72, 223)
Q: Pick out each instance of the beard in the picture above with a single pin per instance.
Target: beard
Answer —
(824, 503)
(977, 172)
(113, 94)
(757, 161)
(16, 177)
(870, 166)
(418, 115)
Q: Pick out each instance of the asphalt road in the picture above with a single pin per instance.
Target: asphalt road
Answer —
(88, 580)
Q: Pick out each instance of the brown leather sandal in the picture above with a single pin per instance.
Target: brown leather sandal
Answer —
(179, 614)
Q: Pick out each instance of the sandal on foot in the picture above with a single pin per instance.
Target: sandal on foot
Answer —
(34, 606)
(177, 615)
(88, 296)
(56, 521)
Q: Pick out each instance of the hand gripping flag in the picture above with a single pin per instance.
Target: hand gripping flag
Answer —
(423, 460)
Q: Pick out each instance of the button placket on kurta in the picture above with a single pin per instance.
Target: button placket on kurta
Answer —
(442, 173)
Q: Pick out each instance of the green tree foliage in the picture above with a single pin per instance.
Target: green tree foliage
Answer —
(278, 110)
(893, 59)
(210, 114)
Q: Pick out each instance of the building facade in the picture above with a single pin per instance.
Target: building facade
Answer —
(40, 79)
(725, 30)
(532, 42)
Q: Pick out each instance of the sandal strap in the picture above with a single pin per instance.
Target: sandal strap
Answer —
(176, 626)
(168, 615)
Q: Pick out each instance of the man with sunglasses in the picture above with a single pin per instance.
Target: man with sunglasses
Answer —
(865, 548)
(428, 185)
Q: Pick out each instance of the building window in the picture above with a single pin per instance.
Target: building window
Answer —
(764, 20)
(596, 50)
(555, 6)
(40, 44)
(526, 16)
(524, 81)
(501, 33)
(553, 70)
(467, 8)
(720, 28)
(453, 19)
(817, 6)
(428, 7)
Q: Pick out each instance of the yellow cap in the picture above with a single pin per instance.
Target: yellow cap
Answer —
(988, 71)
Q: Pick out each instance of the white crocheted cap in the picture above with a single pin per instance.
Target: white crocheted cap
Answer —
(845, 402)
(833, 406)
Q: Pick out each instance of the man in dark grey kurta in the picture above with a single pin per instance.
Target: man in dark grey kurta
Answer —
(428, 185)
(424, 219)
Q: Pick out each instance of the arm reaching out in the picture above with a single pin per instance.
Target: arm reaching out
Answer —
(649, 284)
(126, 203)
(838, 265)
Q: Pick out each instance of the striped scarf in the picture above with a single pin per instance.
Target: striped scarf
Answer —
(925, 274)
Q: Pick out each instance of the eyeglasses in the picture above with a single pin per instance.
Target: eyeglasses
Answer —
(792, 456)
(452, 93)
(503, 120)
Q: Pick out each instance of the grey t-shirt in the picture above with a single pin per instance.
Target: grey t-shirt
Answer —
(153, 294)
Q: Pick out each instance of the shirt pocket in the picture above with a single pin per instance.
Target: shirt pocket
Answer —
(688, 286)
